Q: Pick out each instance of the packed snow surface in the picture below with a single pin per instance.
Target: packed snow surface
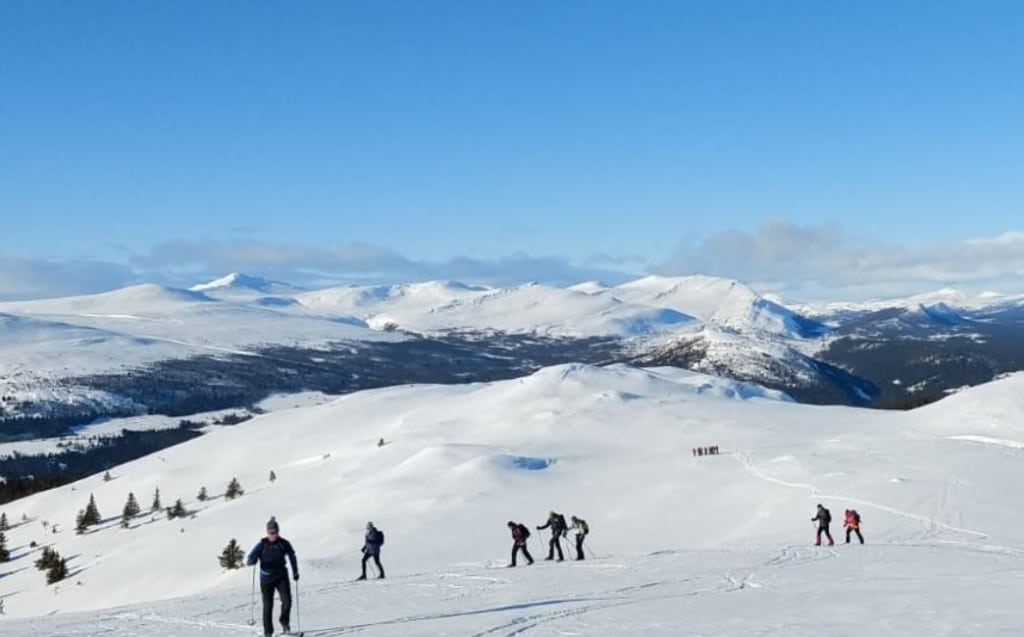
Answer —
(718, 545)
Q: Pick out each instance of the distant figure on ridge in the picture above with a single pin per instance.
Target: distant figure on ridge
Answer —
(271, 553)
(371, 548)
(519, 536)
(824, 520)
(852, 525)
(556, 521)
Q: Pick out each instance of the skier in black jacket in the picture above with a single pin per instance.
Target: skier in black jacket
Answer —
(371, 549)
(558, 529)
(271, 553)
(824, 520)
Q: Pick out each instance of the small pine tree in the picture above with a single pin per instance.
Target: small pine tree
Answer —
(202, 497)
(4, 526)
(58, 570)
(81, 526)
(131, 509)
(176, 511)
(92, 513)
(107, 477)
(273, 476)
(5, 555)
(45, 560)
(156, 501)
(234, 489)
(231, 557)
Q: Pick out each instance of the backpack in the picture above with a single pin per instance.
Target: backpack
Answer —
(561, 522)
(380, 536)
(856, 516)
(525, 531)
(584, 526)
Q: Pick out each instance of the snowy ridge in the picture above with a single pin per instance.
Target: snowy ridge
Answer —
(612, 444)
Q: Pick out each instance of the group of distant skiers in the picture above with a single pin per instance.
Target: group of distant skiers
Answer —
(705, 451)
(273, 552)
(824, 520)
(559, 529)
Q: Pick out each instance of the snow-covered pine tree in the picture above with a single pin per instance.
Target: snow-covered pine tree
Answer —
(203, 496)
(4, 526)
(107, 477)
(234, 489)
(273, 476)
(156, 501)
(176, 511)
(45, 559)
(58, 570)
(5, 555)
(92, 512)
(232, 556)
(130, 510)
(81, 526)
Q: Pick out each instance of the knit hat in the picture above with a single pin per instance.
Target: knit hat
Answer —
(272, 525)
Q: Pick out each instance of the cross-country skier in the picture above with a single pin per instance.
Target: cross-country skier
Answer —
(519, 536)
(371, 548)
(582, 531)
(852, 525)
(824, 520)
(271, 552)
(556, 521)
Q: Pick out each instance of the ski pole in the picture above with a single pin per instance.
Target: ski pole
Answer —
(252, 599)
(298, 612)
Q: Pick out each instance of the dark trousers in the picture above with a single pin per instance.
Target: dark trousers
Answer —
(376, 559)
(828, 534)
(555, 545)
(856, 530)
(268, 585)
(526, 553)
(579, 545)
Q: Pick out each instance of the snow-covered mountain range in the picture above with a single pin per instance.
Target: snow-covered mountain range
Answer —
(718, 545)
(703, 323)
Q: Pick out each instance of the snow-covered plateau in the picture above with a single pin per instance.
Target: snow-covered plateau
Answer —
(680, 545)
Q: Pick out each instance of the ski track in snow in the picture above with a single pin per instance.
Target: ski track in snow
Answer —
(816, 493)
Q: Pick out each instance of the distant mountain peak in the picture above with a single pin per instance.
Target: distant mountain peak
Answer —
(239, 281)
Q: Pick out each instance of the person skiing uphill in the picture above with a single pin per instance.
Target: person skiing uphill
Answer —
(371, 548)
(271, 553)
(824, 520)
(556, 521)
(582, 531)
(519, 536)
(852, 525)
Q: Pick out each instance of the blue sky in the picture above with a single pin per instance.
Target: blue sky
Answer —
(510, 140)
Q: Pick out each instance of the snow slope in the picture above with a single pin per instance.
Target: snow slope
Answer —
(710, 546)
(146, 323)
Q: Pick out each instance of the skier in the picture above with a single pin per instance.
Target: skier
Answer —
(558, 529)
(519, 536)
(371, 548)
(271, 552)
(824, 520)
(582, 531)
(853, 525)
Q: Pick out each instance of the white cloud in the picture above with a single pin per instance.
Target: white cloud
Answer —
(827, 261)
(22, 278)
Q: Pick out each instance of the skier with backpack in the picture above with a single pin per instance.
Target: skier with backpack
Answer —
(520, 534)
(853, 525)
(371, 548)
(556, 522)
(271, 553)
(582, 531)
(824, 520)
